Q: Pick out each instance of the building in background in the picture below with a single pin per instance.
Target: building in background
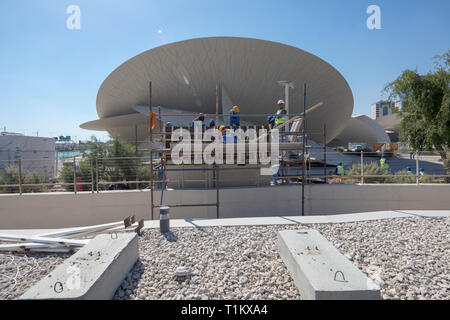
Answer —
(37, 154)
(361, 130)
(184, 76)
(382, 113)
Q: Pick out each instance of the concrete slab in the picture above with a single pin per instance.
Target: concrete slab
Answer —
(320, 271)
(93, 273)
(276, 220)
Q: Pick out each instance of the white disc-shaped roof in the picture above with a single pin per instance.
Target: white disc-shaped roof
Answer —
(184, 76)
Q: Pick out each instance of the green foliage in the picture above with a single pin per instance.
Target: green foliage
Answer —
(425, 108)
(371, 169)
(404, 177)
(12, 177)
(115, 161)
(34, 178)
(2, 182)
(67, 177)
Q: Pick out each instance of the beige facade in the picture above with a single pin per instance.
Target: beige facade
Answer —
(184, 76)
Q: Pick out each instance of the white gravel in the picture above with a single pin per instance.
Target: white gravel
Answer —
(19, 272)
(409, 258)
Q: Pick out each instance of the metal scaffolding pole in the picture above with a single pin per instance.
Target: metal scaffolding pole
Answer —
(151, 147)
(137, 156)
(303, 150)
(325, 152)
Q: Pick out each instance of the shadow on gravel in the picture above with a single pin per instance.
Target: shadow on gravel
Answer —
(129, 284)
(170, 236)
(195, 225)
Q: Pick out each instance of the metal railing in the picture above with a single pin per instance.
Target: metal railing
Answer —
(99, 174)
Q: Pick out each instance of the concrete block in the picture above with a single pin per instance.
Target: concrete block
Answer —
(93, 273)
(320, 271)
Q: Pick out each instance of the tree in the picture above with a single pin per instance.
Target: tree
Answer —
(115, 162)
(425, 107)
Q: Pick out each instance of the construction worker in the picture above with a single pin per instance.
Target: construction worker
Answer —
(201, 118)
(340, 169)
(223, 131)
(408, 170)
(421, 172)
(281, 117)
(235, 119)
(212, 123)
(275, 173)
(281, 114)
(384, 163)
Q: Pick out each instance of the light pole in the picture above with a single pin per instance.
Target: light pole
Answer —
(286, 85)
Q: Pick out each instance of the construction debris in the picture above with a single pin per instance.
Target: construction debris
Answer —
(69, 240)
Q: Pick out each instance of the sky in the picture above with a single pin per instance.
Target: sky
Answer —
(50, 74)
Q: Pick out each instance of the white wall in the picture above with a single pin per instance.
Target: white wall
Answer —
(57, 210)
(37, 153)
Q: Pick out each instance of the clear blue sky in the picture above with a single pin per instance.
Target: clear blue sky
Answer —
(49, 75)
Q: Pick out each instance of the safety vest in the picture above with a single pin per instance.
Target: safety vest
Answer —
(421, 173)
(279, 118)
(340, 170)
(383, 164)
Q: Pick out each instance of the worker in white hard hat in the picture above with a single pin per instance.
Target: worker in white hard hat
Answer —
(281, 116)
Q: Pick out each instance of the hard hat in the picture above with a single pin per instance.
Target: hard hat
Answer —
(236, 108)
(280, 102)
(421, 169)
(168, 124)
(383, 156)
(408, 168)
(221, 127)
(339, 163)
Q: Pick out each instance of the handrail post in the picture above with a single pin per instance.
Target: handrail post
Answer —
(417, 167)
(96, 172)
(74, 175)
(217, 190)
(151, 182)
(20, 175)
(92, 175)
(325, 152)
(362, 167)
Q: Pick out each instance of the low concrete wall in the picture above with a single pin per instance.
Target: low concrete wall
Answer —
(58, 210)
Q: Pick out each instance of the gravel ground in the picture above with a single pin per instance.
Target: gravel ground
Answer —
(409, 258)
(19, 272)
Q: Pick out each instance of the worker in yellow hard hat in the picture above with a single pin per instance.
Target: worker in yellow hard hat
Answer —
(235, 119)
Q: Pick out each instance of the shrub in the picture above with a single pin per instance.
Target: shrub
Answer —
(371, 169)
(404, 177)
(67, 177)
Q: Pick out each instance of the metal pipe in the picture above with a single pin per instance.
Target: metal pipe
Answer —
(96, 172)
(92, 175)
(217, 190)
(20, 175)
(362, 167)
(417, 167)
(217, 105)
(151, 147)
(136, 153)
(325, 152)
(303, 151)
(74, 175)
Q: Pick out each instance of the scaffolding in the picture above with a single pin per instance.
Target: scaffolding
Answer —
(293, 154)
